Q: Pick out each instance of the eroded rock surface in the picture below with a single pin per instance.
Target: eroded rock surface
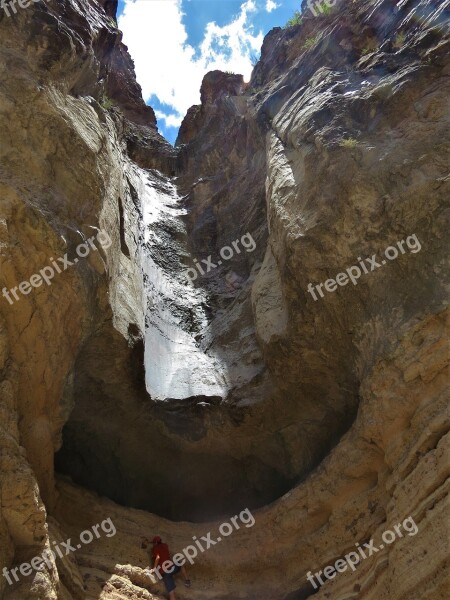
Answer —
(329, 410)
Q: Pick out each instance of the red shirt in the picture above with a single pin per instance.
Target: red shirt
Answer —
(161, 550)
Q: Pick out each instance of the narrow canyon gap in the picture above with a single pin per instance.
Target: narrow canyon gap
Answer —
(170, 403)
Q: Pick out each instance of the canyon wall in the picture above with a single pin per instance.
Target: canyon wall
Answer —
(322, 408)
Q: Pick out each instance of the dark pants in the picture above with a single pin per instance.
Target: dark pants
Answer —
(169, 580)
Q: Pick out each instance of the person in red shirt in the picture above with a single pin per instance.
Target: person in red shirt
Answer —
(160, 557)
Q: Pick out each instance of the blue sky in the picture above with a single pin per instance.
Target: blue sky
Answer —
(175, 42)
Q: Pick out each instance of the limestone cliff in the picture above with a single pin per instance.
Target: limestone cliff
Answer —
(172, 402)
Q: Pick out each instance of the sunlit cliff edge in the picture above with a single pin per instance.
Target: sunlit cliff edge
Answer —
(327, 417)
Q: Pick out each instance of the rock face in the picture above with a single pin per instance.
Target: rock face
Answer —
(271, 382)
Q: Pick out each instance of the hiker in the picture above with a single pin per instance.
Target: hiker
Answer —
(161, 554)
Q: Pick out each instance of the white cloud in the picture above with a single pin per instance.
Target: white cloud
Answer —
(271, 5)
(170, 68)
(171, 120)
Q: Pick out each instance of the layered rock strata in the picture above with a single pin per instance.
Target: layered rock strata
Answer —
(328, 407)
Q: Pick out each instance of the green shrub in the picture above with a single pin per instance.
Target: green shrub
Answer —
(296, 19)
(326, 10)
(311, 41)
(348, 143)
(106, 102)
